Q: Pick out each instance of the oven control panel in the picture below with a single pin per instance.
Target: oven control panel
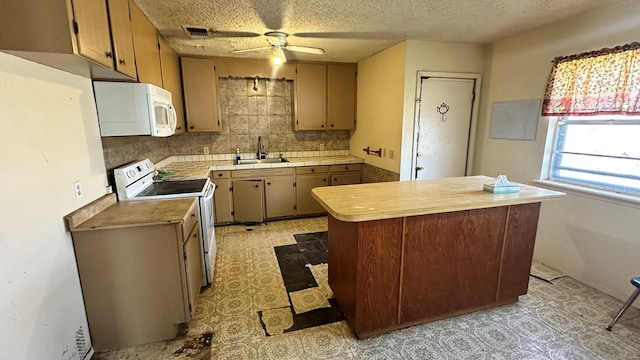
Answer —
(127, 175)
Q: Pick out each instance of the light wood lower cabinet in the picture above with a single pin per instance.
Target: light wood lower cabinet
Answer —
(307, 178)
(253, 195)
(345, 174)
(280, 196)
(223, 197)
(139, 283)
(248, 200)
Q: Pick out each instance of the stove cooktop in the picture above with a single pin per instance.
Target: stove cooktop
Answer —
(174, 187)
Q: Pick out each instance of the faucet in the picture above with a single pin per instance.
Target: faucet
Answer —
(261, 153)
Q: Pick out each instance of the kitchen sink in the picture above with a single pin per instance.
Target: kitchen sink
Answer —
(261, 161)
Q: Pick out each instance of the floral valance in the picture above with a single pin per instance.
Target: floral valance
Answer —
(606, 81)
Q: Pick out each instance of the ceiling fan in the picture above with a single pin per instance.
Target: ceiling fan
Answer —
(277, 41)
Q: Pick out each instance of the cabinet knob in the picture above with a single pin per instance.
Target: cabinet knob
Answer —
(313, 170)
(346, 168)
(122, 62)
(257, 186)
(267, 183)
(322, 126)
(190, 127)
(331, 125)
(324, 180)
(108, 54)
(220, 174)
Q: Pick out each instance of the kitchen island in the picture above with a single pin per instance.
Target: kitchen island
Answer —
(404, 253)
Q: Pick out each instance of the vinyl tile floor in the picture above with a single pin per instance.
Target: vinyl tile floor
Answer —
(248, 310)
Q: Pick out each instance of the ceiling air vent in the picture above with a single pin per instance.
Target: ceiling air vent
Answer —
(195, 32)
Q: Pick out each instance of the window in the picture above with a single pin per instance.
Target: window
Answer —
(594, 101)
(602, 152)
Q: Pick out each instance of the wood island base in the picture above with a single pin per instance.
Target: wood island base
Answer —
(393, 273)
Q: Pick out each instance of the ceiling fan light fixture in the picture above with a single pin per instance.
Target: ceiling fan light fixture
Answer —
(278, 56)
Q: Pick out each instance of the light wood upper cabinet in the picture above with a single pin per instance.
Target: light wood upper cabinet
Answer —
(70, 35)
(325, 96)
(341, 96)
(145, 44)
(200, 87)
(170, 64)
(120, 20)
(92, 30)
(311, 96)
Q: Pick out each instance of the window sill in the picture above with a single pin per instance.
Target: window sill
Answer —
(601, 195)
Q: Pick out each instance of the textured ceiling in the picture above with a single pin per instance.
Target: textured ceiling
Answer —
(351, 30)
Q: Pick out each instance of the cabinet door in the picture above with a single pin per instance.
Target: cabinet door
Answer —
(305, 203)
(311, 91)
(122, 39)
(94, 37)
(341, 97)
(170, 64)
(279, 196)
(346, 178)
(200, 86)
(223, 200)
(248, 201)
(145, 44)
(193, 266)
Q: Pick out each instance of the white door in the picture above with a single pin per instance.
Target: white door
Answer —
(443, 127)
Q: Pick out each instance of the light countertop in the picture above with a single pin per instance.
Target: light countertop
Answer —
(376, 201)
(202, 168)
(122, 214)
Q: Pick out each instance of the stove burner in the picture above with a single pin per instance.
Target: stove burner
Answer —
(172, 187)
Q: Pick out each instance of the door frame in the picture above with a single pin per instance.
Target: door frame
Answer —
(474, 114)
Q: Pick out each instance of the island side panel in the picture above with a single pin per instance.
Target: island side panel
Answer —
(343, 264)
(364, 271)
(379, 260)
(519, 242)
(451, 262)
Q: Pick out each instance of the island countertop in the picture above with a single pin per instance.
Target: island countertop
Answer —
(376, 201)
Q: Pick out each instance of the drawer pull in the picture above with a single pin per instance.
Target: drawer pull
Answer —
(269, 183)
(193, 215)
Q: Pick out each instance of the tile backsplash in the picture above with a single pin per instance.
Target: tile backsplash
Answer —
(249, 108)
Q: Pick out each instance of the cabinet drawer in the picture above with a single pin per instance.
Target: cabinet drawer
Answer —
(260, 173)
(312, 170)
(190, 220)
(220, 175)
(345, 167)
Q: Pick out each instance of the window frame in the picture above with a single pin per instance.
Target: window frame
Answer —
(580, 188)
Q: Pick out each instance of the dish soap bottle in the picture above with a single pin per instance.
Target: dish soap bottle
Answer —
(237, 156)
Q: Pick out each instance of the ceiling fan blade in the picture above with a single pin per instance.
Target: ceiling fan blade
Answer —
(252, 49)
(304, 49)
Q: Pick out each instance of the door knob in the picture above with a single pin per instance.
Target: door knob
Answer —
(418, 168)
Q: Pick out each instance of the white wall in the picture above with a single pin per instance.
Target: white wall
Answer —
(49, 139)
(437, 57)
(594, 241)
(379, 102)
(387, 84)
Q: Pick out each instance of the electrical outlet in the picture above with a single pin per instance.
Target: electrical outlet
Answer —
(77, 189)
(392, 154)
(206, 150)
(321, 147)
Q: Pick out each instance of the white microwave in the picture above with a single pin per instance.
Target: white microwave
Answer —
(134, 109)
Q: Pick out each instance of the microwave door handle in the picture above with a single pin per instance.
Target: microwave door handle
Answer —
(173, 118)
